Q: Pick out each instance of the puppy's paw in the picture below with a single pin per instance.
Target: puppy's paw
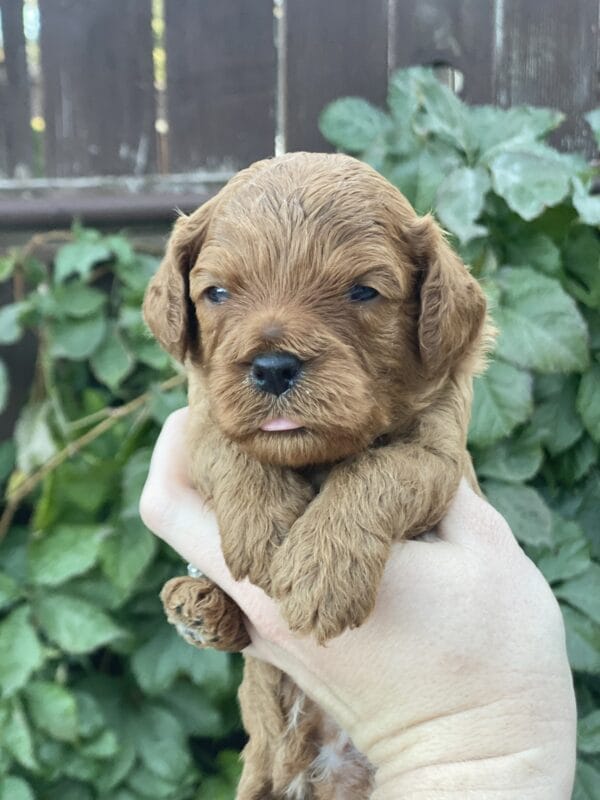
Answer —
(323, 588)
(203, 614)
(250, 537)
(249, 557)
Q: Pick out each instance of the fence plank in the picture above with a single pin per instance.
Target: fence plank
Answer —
(332, 49)
(16, 151)
(99, 100)
(221, 76)
(457, 33)
(548, 55)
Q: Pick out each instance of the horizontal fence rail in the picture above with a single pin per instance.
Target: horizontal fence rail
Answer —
(147, 97)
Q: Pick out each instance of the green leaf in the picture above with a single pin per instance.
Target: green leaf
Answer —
(15, 736)
(74, 624)
(7, 266)
(64, 552)
(126, 554)
(12, 788)
(540, 326)
(4, 386)
(588, 401)
(593, 120)
(511, 460)
(193, 708)
(405, 92)
(112, 361)
(555, 422)
(7, 458)
(161, 743)
(587, 782)
(76, 339)
(10, 327)
(33, 437)
(419, 178)
(134, 477)
(166, 657)
(460, 200)
(534, 250)
(164, 403)
(115, 770)
(587, 511)
(502, 400)
(21, 651)
(352, 124)
(78, 258)
(587, 205)
(446, 115)
(582, 261)
(9, 590)
(148, 785)
(529, 182)
(53, 709)
(588, 734)
(571, 556)
(575, 463)
(583, 592)
(523, 508)
(497, 129)
(103, 746)
(75, 299)
(89, 714)
(583, 641)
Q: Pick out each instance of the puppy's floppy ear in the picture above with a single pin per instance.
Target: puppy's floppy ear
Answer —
(168, 310)
(452, 305)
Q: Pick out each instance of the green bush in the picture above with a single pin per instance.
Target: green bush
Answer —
(521, 214)
(99, 698)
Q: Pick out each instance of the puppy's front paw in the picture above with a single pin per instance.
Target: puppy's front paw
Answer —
(323, 588)
(203, 614)
(247, 557)
(250, 536)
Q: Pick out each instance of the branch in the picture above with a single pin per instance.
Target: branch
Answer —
(20, 492)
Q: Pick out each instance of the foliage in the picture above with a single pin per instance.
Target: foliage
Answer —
(99, 698)
(522, 215)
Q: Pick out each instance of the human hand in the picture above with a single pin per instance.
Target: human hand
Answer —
(456, 686)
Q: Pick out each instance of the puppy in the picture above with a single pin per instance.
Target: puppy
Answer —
(330, 337)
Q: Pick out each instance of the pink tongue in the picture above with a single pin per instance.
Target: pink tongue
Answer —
(280, 424)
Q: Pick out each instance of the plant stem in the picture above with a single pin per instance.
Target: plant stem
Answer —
(113, 415)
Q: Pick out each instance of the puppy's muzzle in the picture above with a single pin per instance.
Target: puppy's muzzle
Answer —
(275, 372)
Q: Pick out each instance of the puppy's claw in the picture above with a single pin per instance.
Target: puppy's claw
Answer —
(204, 615)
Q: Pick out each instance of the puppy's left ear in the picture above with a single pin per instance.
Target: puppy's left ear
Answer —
(452, 304)
(168, 309)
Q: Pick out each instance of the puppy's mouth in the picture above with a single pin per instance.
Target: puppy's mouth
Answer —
(281, 425)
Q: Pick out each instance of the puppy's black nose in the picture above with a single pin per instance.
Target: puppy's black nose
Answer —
(275, 373)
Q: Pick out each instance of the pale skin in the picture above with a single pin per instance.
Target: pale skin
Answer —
(457, 687)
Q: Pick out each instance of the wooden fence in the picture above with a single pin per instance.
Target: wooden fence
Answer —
(121, 109)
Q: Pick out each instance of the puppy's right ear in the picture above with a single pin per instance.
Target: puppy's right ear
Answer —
(168, 309)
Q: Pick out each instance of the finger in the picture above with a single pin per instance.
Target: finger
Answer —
(170, 457)
(471, 521)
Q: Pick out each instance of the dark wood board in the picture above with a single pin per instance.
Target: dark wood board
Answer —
(16, 150)
(99, 100)
(333, 49)
(221, 77)
(457, 33)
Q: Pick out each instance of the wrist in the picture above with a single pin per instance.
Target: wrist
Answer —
(501, 751)
(514, 778)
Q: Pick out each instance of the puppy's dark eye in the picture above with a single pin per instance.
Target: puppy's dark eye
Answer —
(360, 294)
(216, 294)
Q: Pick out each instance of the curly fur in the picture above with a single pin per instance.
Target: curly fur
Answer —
(384, 402)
